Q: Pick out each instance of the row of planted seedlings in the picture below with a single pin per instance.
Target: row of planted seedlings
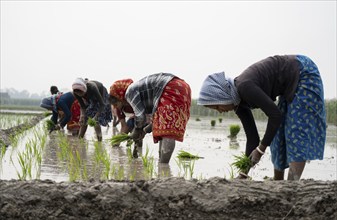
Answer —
(104, 163)
(184, 160)
(28, 160)
(9, 120)
(107, 164)
(25, 152)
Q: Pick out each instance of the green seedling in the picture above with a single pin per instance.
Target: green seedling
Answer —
(186, 155)
(234, 130)
(242, 163)
(92, 122)
(117, 139)
(47, 113)
(50, 124)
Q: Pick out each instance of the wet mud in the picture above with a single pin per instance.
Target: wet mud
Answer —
(169, 198)
(166, 198)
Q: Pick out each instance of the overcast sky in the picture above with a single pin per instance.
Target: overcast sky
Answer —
(47, 43)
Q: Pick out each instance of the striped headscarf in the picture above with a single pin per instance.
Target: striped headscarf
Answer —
(217, 89)
(119, 87)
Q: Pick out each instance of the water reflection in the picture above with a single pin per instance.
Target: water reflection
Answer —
(164, 170)
(233, 143)
(65, 157)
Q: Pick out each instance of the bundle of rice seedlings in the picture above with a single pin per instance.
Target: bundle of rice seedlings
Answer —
(186, 155)
(242, 163)
(91, 122)
(234, 130)
(50, 124)
(117, 139)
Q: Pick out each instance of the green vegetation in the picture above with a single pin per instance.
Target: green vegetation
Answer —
(30, 159)
(186, 155)
(213, 123)
(8, 120)
(234, 130)
(50, 125)
(70, 155)
(196, 110)
(187, 167)
(92, 122)
(117, 139)
(148, 163)
(242, 163)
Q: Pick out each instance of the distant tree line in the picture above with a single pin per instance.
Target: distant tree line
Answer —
(196, 110)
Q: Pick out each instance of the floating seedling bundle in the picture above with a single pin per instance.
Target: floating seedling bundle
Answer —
(186, 155)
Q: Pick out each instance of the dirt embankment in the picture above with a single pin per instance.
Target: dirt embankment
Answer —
(5, 134)
(171, 198)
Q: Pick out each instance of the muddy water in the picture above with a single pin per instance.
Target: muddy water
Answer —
(201, 139)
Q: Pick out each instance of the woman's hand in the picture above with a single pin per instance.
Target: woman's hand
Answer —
(256, 155)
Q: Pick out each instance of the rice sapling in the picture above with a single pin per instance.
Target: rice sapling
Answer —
(186, 155)
(117, 139)
(234, 130)
(242, 163)
(92, 122)
(50, 125)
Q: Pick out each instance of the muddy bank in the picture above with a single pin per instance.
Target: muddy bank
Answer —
(5, 134)
(171, 198)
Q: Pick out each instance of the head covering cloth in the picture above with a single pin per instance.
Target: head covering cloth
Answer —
(217, 89)
(80, 85)
(49, 103)
(119, 87)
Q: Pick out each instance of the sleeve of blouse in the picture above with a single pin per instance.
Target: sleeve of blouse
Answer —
(95, 93)
(249, 126)
(79, 99)
(67, 114)
(255, 96)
